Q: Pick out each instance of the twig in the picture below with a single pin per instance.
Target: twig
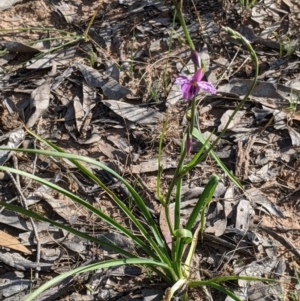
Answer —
(282, 240)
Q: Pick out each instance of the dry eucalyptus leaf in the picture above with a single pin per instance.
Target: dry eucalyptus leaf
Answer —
(79, 113)
(40, 98)
(216, 220)
(295, 136)
(15, 138)
(8, 241)
(6, 4)
(134, 113)
(261, 202)
(151, 165)
(92, 139)
(20, 48)
(121, 143)
(234, 121)
(61, 57)
(110, 87)
(243, 215)
(67, 10)
(64, 207)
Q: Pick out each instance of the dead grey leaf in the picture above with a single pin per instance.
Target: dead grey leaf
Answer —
(269, 31)
(282, 240)
(67, 10)
(64, 207)
(152, 294)
(61, 57)
(110, 87)
(225, 117)
(79, 113)
(15, 138)
(243, 215)
(261, 114)
(14, 220)
(134, 113)
(112, 70)
(266, 173)
(79, 297)
(4, 59)
(59, 79)
(229, 201)
(248, 33)
(12, 283)
(191, 192)
(121, 143)
(40, 98)
(279, 119)
(152, 165)
(6, 4)
(20, 47)
(261, 202)
(92, 139)
(16, 261)
(288, 154)
(89, 98)
(112, 153)
(216, 221)
(125, 270)
(74, 244)
(50, 255)
(117, 239)
(258, 14)
(295, 136)
(266, 156)
(240, 87)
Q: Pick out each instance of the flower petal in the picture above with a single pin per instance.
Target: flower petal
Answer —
(181, 80)
(185, 89)
(207, 87)
(190, 91)
(198, 75)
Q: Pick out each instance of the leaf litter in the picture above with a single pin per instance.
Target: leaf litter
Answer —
(90, 106)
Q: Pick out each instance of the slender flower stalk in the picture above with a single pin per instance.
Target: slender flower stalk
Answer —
(178, 7)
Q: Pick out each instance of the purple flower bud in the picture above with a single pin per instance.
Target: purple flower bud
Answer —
(196, 59)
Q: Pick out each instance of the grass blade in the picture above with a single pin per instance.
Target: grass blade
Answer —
(87, 205)
(199, 136)
(92, 267)
(140, 203)
(203, 200)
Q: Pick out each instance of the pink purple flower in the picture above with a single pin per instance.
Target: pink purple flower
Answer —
(191, 86)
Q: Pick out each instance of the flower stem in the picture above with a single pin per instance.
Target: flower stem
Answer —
(247, 44)
(183, 24)
(192, 121)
